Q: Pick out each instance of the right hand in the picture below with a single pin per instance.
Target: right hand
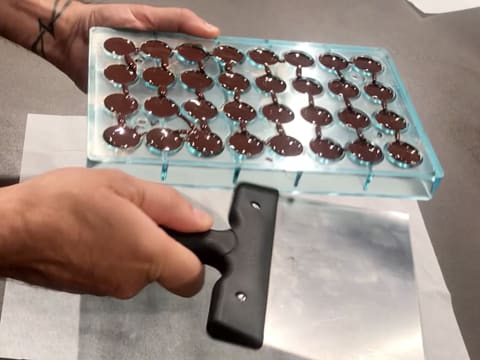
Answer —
(97, 232)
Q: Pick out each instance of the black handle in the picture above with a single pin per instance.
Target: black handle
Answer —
(210, 246)
(243, 256)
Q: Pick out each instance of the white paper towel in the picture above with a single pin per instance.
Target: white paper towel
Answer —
(443, 6)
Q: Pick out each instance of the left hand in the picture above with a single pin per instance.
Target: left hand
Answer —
(78, 18)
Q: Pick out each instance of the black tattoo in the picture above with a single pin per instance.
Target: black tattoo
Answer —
(38, 45)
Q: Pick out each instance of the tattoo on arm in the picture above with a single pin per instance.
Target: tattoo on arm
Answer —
(38, 45)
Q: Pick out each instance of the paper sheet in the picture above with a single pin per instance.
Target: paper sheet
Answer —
(443, 6)
(43, 324)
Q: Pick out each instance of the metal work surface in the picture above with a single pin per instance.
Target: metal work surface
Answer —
(426, 50)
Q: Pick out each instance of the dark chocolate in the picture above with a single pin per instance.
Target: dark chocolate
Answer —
(307, 86)
(205, 143)
(326, 148)
(367, 64)
(278, 113)
(200, 109)
(270, 83)
(239, 111)
(228, 54)
(161, 107)
(298, 58)
(343, 88)
(404, 153)
(333, 62)
(120, 74)
(390, 120)
(365, 151)
(122, 136)
(379, 92)
(121, 104)
(119, 46)
(234, 81)
(285, 145)
(245, 144)
(316, 115)
(163, 139)
(158, 77)
(156, 49)
(192, 52)
(263, 56)
(196, 79)
(354, 119)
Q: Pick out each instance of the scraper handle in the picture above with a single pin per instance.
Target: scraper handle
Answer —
(243, 256)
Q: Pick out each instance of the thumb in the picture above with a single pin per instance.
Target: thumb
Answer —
(149, 18)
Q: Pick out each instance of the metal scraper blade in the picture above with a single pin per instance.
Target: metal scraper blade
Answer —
(341, 287)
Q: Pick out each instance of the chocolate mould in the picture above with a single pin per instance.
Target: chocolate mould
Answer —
(303, 173)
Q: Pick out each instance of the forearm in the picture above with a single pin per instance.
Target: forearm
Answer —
(37, 25)
(11, 231)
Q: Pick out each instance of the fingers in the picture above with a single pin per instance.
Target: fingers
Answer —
(172, 265)
(179, 270)
(148, 18)
(174, 20)
(168, 208)
(175, 267)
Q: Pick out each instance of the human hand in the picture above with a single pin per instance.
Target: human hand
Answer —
(96, 231)
(78, 18)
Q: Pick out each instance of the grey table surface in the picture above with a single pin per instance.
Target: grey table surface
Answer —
(438, 58)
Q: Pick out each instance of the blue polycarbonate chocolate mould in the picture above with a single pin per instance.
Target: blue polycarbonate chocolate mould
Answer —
(305, 173)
